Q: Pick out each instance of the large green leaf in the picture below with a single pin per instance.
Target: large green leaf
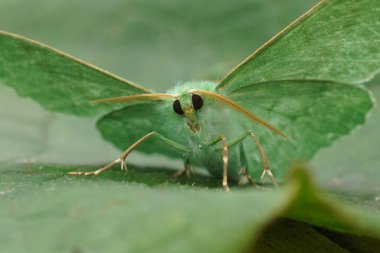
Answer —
(350, 167)
(126, 217)
(338, 40)
(118, 212)
(30, 133)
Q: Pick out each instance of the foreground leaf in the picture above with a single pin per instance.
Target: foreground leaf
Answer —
(108, 215)
(113, 213)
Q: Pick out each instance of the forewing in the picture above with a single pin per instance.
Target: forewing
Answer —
(312, 114)
(126, 126)
(338, 40)
(58, 81)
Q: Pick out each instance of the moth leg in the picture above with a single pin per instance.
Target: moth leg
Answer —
(124, 155)
(247, 179)
(223, 139)
(263, 156)
(118, 160)
(265, 161)
(185, 171)
(225, 162)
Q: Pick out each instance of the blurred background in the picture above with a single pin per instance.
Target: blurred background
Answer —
(155, 43)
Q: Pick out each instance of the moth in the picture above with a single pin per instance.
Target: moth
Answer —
(297, 93)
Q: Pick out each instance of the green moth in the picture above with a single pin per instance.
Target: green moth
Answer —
(292, 96)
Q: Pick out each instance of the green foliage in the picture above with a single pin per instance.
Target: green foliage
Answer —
(118, 212)
(147, 210)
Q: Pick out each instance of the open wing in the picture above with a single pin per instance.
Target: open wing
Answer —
(294, 81)
(125, 126)
(337, 40)
(57, 81)
(311, 113)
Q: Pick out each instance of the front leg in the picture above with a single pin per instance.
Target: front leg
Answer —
(222, 139)
(124, 155)
(265, 161)
(262, 154)
(225, 162)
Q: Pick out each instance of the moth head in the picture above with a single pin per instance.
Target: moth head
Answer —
(187, 106)
(189, 103)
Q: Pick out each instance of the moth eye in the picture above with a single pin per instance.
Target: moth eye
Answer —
(197, 101)
(177, 107)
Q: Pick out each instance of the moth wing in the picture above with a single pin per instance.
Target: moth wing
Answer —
(125, 126)
(312, 114)
(57, 81)
(337, 40)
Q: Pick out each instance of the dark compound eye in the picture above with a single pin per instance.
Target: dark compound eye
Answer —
(177, 107)
(197, 101)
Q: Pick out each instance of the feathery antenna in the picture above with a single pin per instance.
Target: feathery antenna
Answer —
(154, 96)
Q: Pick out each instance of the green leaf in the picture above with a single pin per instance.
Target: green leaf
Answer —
(118, 212)
(349, 168)
(58, 81)
(30, 133)
(287, 235)
(88, 215)
(338, 40)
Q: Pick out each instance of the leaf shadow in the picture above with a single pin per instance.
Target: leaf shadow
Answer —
(151, 176)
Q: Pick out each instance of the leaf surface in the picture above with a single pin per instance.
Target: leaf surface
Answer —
(118, 212)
